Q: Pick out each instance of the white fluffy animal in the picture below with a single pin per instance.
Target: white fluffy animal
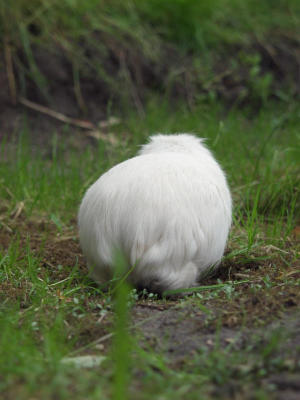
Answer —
(168, 210)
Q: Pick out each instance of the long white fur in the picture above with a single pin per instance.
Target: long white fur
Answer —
(168, 210)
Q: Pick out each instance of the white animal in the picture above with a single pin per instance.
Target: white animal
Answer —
(167, 210)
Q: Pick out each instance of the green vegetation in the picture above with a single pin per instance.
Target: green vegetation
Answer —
(265, 149)
(237, 51)
(225, 70)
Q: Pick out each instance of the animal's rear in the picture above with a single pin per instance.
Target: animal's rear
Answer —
(166, 278)
(169, 213)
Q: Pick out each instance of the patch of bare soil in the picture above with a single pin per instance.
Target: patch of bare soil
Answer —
(43, 238)
(287, 383)
(183, 334)
(58, 253)
(15, 119)
(182, 330)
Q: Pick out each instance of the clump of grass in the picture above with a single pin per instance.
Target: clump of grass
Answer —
(122, 341)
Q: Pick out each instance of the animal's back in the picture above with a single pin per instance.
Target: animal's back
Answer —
(165, 211)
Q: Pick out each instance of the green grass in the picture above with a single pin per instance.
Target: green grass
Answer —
(124, 47)
(51, 311)
(259, 155)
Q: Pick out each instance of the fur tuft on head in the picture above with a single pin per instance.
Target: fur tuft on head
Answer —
(179, 143)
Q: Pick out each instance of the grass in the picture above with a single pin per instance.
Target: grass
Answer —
(263, 147)
(50, 310)
(128, 48)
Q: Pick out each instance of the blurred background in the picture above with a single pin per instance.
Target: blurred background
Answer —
(87, 59)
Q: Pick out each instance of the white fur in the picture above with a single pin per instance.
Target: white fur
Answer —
(168, 210)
